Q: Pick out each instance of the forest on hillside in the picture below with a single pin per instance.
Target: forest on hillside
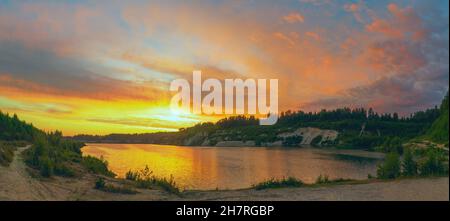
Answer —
(48, 153)
(358, 128)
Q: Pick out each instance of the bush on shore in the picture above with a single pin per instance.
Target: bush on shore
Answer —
(145, 179)
(100, 184)
(279, 183)
(323, 179)
(97, 166)
(391, 167)
(409, 165)
(52, 155)
(431, 162)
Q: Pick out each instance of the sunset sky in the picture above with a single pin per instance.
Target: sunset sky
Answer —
(100, 67)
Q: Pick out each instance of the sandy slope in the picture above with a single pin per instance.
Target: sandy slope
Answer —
(16, 184)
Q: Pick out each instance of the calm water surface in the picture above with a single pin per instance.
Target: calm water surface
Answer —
(234, 167)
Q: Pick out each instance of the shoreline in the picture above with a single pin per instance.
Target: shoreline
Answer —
(325, 185)
(82, 189)
(366, 190)
(16, 183)
(21, 186)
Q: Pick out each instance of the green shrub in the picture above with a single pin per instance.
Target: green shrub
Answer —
(52, 155)
(36, 152)
(168, 185)
(118, 189)
(433, 164)
(46, 167)
(275, 183)
(6, 153)
(390, 169)
(63, 170)
(409, 165)
(145, 179)
(130, 175)
(97, 166)
(322, 179)
(100, 183)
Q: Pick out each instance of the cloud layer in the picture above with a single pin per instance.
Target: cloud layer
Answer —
(108, 64)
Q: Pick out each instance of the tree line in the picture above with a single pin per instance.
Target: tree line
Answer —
(358, 128)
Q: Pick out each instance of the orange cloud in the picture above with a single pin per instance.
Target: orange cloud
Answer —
(108, 90)
(313, 35)
(356, 9)
(403, 22)
(284, 38)
(352, 7)
(119, 64)
(294, 17)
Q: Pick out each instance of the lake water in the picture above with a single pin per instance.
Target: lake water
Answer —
(235, 167)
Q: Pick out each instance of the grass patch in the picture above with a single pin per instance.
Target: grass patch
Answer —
(6, 153)
(323, 179)
(278, 183)
(294, 182)
(145, 179)
(100, 184)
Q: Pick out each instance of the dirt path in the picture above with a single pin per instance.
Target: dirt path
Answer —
(16, 184)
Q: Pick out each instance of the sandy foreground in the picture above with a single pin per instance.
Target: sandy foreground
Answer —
(431, 189)
(17, 184)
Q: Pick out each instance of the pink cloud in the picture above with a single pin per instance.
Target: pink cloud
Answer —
(352, 7)
(406, 68)
(359, 10)
(284, 38)
(403, 22)
(313, 35)
(294, 17)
